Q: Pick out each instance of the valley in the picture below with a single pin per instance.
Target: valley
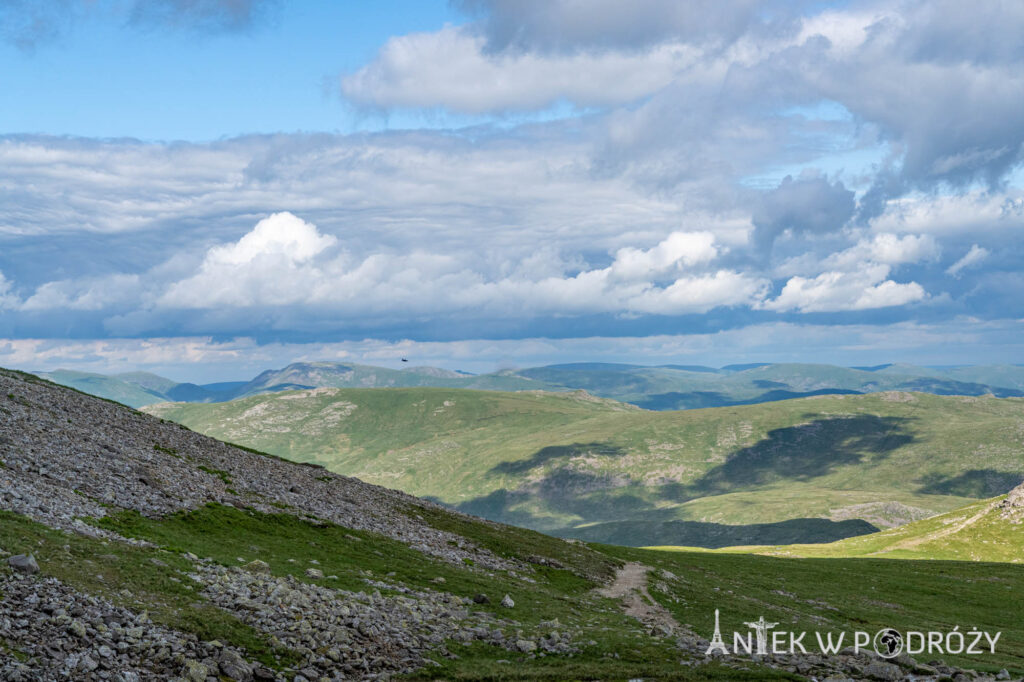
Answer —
(806, 470)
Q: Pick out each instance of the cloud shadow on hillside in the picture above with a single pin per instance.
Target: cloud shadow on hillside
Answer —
(978, 483)
(693, 400)
(552, 452)
(805, 451)
(611, 503)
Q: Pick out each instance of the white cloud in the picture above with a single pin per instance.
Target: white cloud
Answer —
(679, 250)
(975, 255)
(451, 69)
(953, 214)
(270, 265)
(700, 294)
(201, 359)
(286, 261)
(90, 293)
(861, 289)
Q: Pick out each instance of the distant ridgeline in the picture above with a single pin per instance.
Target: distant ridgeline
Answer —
(666, 387)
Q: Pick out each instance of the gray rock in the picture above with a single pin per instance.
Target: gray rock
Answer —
(77, 628)
(526, 646)
(314, 573)
(257, 566)
(232, 665)
(481, 599)
(194, 671)
(23, 563)
(878, 670)
(507, 602)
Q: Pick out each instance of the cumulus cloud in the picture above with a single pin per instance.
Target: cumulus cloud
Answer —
(803, 206)
(862, 289)
(286, 261)
(973, 257)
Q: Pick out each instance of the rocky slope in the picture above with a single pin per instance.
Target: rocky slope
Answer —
(65, 456)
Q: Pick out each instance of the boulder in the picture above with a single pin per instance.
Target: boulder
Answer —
(23, 563)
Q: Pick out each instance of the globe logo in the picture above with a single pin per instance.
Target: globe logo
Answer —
(888, 643)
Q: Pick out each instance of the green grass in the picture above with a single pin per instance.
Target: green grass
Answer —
(287, 543)
(156, 580)
(487, 664)
(823, 594)
(811, 594)
(568, 465)
(844, 595)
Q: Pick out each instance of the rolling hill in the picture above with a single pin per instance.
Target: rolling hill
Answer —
(137, 549)
(806, 470)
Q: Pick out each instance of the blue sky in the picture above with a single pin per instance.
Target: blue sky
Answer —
(206, 188)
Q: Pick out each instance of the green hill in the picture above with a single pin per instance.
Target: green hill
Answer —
(809, 470)
(990, 530)
(109, 387)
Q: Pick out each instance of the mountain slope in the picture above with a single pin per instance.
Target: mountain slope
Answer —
(816, 469)
(109, 387)
(990, 530)
(257, 568)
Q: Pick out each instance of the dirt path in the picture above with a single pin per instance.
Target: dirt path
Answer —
(948, 530)
(630, 585)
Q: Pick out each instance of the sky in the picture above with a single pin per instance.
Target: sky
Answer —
(208, 188)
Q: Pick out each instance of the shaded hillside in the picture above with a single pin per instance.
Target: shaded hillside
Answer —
(580, 466)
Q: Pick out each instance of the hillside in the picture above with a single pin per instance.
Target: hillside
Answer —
(808, 470)
(990, 530)
(140, 550)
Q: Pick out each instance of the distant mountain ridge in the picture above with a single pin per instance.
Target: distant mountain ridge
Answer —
(662, 387)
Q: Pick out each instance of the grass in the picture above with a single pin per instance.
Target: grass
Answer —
(567, 465)
(487, 664)
(156, 580)
(844, 595)
(290, 544)
(519, 543)
(809, 594)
